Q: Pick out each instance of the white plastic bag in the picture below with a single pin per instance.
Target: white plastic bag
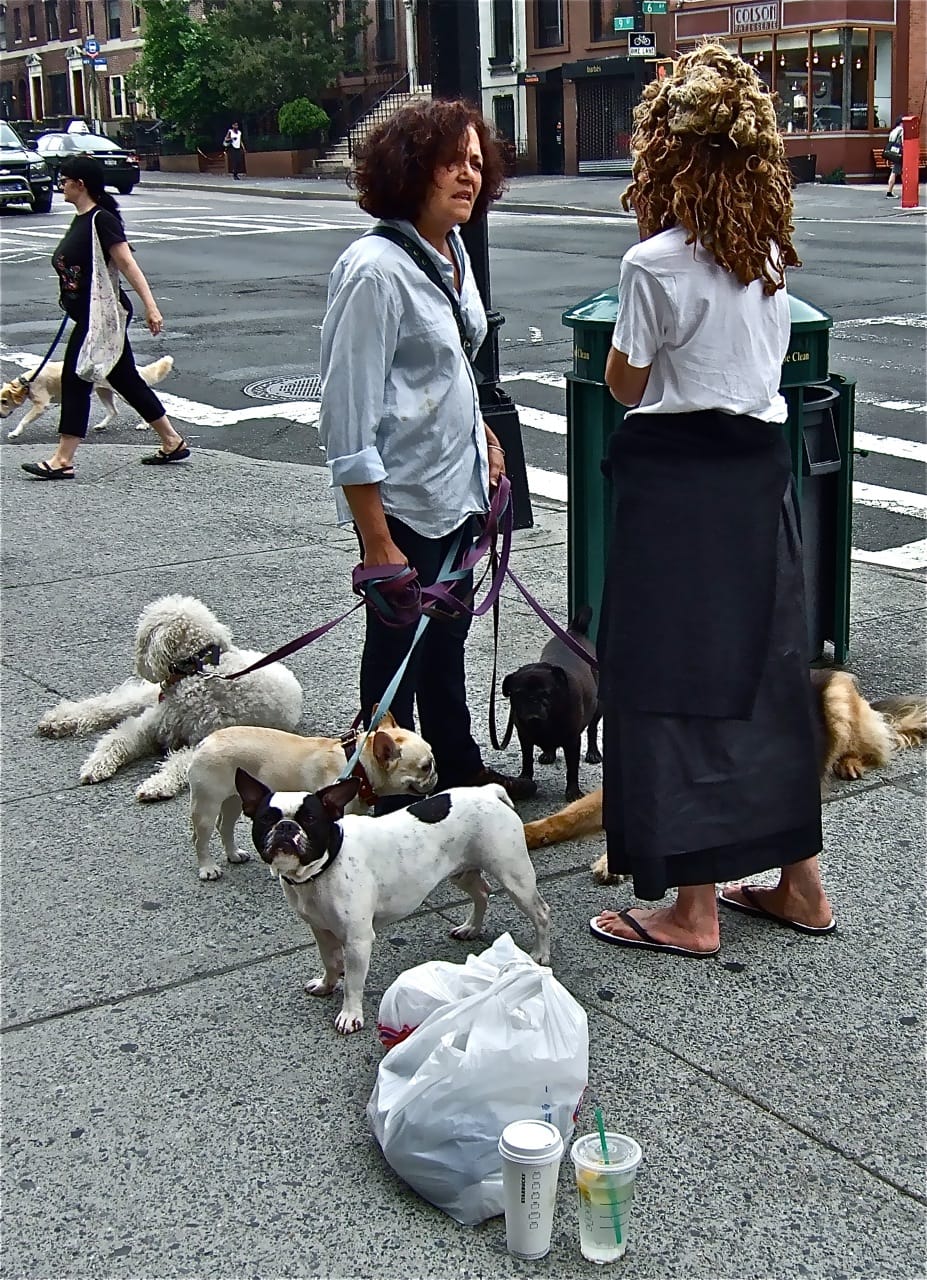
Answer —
(418, 992)
(516, 1049)
(106, 325)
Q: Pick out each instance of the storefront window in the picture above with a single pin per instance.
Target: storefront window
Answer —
(859, 78)
(882, 81)
(759, 53)
(828, 62)
(792, 82)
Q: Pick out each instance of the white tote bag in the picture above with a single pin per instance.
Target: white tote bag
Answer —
(106, 328)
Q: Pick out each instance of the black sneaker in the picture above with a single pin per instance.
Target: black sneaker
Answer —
(517, 788)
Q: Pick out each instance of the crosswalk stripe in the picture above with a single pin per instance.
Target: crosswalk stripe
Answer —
(900, 501)
(915, 450)
(912, 555)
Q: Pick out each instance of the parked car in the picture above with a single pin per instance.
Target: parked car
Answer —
(24, 176)
(121, 166)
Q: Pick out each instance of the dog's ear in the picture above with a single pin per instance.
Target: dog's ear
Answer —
(252, 792)
(384, 748)
(388, 721)
(507, 685)
(338, 796)
(560, 677)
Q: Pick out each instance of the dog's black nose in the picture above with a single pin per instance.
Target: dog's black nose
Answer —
(286, 834)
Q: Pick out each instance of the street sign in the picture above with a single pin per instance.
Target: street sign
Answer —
(642, 44)
(98, 63)
(650, 8)
(91, 46)
(624, 24)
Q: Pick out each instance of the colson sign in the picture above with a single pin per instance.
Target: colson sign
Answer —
(755, 17)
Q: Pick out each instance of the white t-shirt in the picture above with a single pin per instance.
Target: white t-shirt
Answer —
(711, 342)
(234, 137)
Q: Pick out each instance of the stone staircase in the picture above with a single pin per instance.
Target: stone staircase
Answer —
(337, 159)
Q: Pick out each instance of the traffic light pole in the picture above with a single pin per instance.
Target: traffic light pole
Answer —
(455, 73)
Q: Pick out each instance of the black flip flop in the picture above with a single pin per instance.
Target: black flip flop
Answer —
(644, 942)
(161, 459)
(42, 471)
(753, 907)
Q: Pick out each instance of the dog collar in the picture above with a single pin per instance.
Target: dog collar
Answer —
(208, 656)
(331, 854)
(365, 793)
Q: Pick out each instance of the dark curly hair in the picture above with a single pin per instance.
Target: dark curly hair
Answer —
(396, 163)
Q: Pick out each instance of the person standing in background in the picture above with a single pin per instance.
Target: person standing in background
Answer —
(234, 145)
(892, 153)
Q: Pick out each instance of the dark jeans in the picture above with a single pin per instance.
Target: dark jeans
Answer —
(123, 378)
(435, 678)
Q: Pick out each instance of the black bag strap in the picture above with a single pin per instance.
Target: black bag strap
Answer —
(422, 260)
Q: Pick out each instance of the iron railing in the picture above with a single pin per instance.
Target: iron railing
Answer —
(381, 109)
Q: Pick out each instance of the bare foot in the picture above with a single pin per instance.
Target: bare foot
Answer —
(787, 902)
(664, 925)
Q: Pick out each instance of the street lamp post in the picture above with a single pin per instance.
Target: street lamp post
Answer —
(455, 73)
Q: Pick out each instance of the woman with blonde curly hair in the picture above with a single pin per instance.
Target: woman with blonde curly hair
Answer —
(710, 763)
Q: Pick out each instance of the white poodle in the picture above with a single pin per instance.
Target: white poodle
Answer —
(172, 706)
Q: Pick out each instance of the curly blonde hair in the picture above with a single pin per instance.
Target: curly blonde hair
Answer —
(708, 156)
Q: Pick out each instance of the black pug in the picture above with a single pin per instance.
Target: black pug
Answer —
(553, 701)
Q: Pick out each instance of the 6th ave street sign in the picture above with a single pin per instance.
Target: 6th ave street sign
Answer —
(649, 8)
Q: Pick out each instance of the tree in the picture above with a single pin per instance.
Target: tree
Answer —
(244, 57)
(172, 74)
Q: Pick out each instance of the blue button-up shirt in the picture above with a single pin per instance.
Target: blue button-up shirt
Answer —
(399, 399)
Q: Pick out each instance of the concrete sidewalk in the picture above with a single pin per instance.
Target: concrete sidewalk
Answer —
(551, 195)
(174, 1105)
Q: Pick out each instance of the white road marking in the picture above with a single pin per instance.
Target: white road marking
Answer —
(918, 320)
(547, 484)
(900, 406)
(546, 379)
(912, 555)
(900, 501)
(892, 446)
(541, 420)
(306, 412)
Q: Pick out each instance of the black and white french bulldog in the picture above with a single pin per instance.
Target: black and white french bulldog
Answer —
(553, 701)
(348, 875)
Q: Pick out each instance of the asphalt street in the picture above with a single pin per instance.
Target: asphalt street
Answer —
(241, 280)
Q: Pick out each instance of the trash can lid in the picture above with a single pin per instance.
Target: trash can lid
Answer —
(600, 310)
(804, 316)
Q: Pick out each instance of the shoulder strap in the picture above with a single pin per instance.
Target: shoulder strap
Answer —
(422, 260)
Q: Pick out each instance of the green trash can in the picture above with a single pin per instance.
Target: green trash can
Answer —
(820, 432)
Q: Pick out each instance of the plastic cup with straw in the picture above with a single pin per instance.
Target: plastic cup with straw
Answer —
(612, 1198)
(604, 1162)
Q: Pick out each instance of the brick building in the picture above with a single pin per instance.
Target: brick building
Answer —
(44, 76)
(843, 70)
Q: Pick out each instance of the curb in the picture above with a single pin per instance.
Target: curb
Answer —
(287, 193)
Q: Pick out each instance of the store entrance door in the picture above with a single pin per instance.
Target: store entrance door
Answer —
(550, 128)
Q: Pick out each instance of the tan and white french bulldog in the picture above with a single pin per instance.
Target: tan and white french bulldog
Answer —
(394, 762)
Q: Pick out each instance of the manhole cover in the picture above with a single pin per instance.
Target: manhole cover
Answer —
(285, 389)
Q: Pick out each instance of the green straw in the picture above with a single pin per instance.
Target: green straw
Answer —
(616, 1217)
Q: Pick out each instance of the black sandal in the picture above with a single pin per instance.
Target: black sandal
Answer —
(42, 471)
(161, 459)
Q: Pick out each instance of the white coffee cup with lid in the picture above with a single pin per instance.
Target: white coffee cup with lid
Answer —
(531, 1151)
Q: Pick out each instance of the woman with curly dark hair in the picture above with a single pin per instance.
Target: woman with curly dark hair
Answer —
(710, 770)
(411, 459)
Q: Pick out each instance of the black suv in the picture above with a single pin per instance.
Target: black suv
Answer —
(24, 176)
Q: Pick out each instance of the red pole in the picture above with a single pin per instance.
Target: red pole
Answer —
(910, 160)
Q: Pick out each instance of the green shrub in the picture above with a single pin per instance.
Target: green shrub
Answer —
(836, 178)
(300, 117)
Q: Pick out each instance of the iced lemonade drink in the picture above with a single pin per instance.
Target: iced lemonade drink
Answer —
(605, 1194)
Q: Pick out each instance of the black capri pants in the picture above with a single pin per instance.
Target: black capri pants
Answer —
(123, 378)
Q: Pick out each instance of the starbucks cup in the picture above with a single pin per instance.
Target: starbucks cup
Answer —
(605, 1192)
(531, 1152)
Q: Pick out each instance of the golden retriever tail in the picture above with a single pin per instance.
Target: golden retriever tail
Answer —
(580, 819)
(906, 717)
(157, 371)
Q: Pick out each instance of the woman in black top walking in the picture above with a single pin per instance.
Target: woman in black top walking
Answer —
(82, 181)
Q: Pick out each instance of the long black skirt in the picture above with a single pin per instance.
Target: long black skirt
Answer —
(696, 799)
